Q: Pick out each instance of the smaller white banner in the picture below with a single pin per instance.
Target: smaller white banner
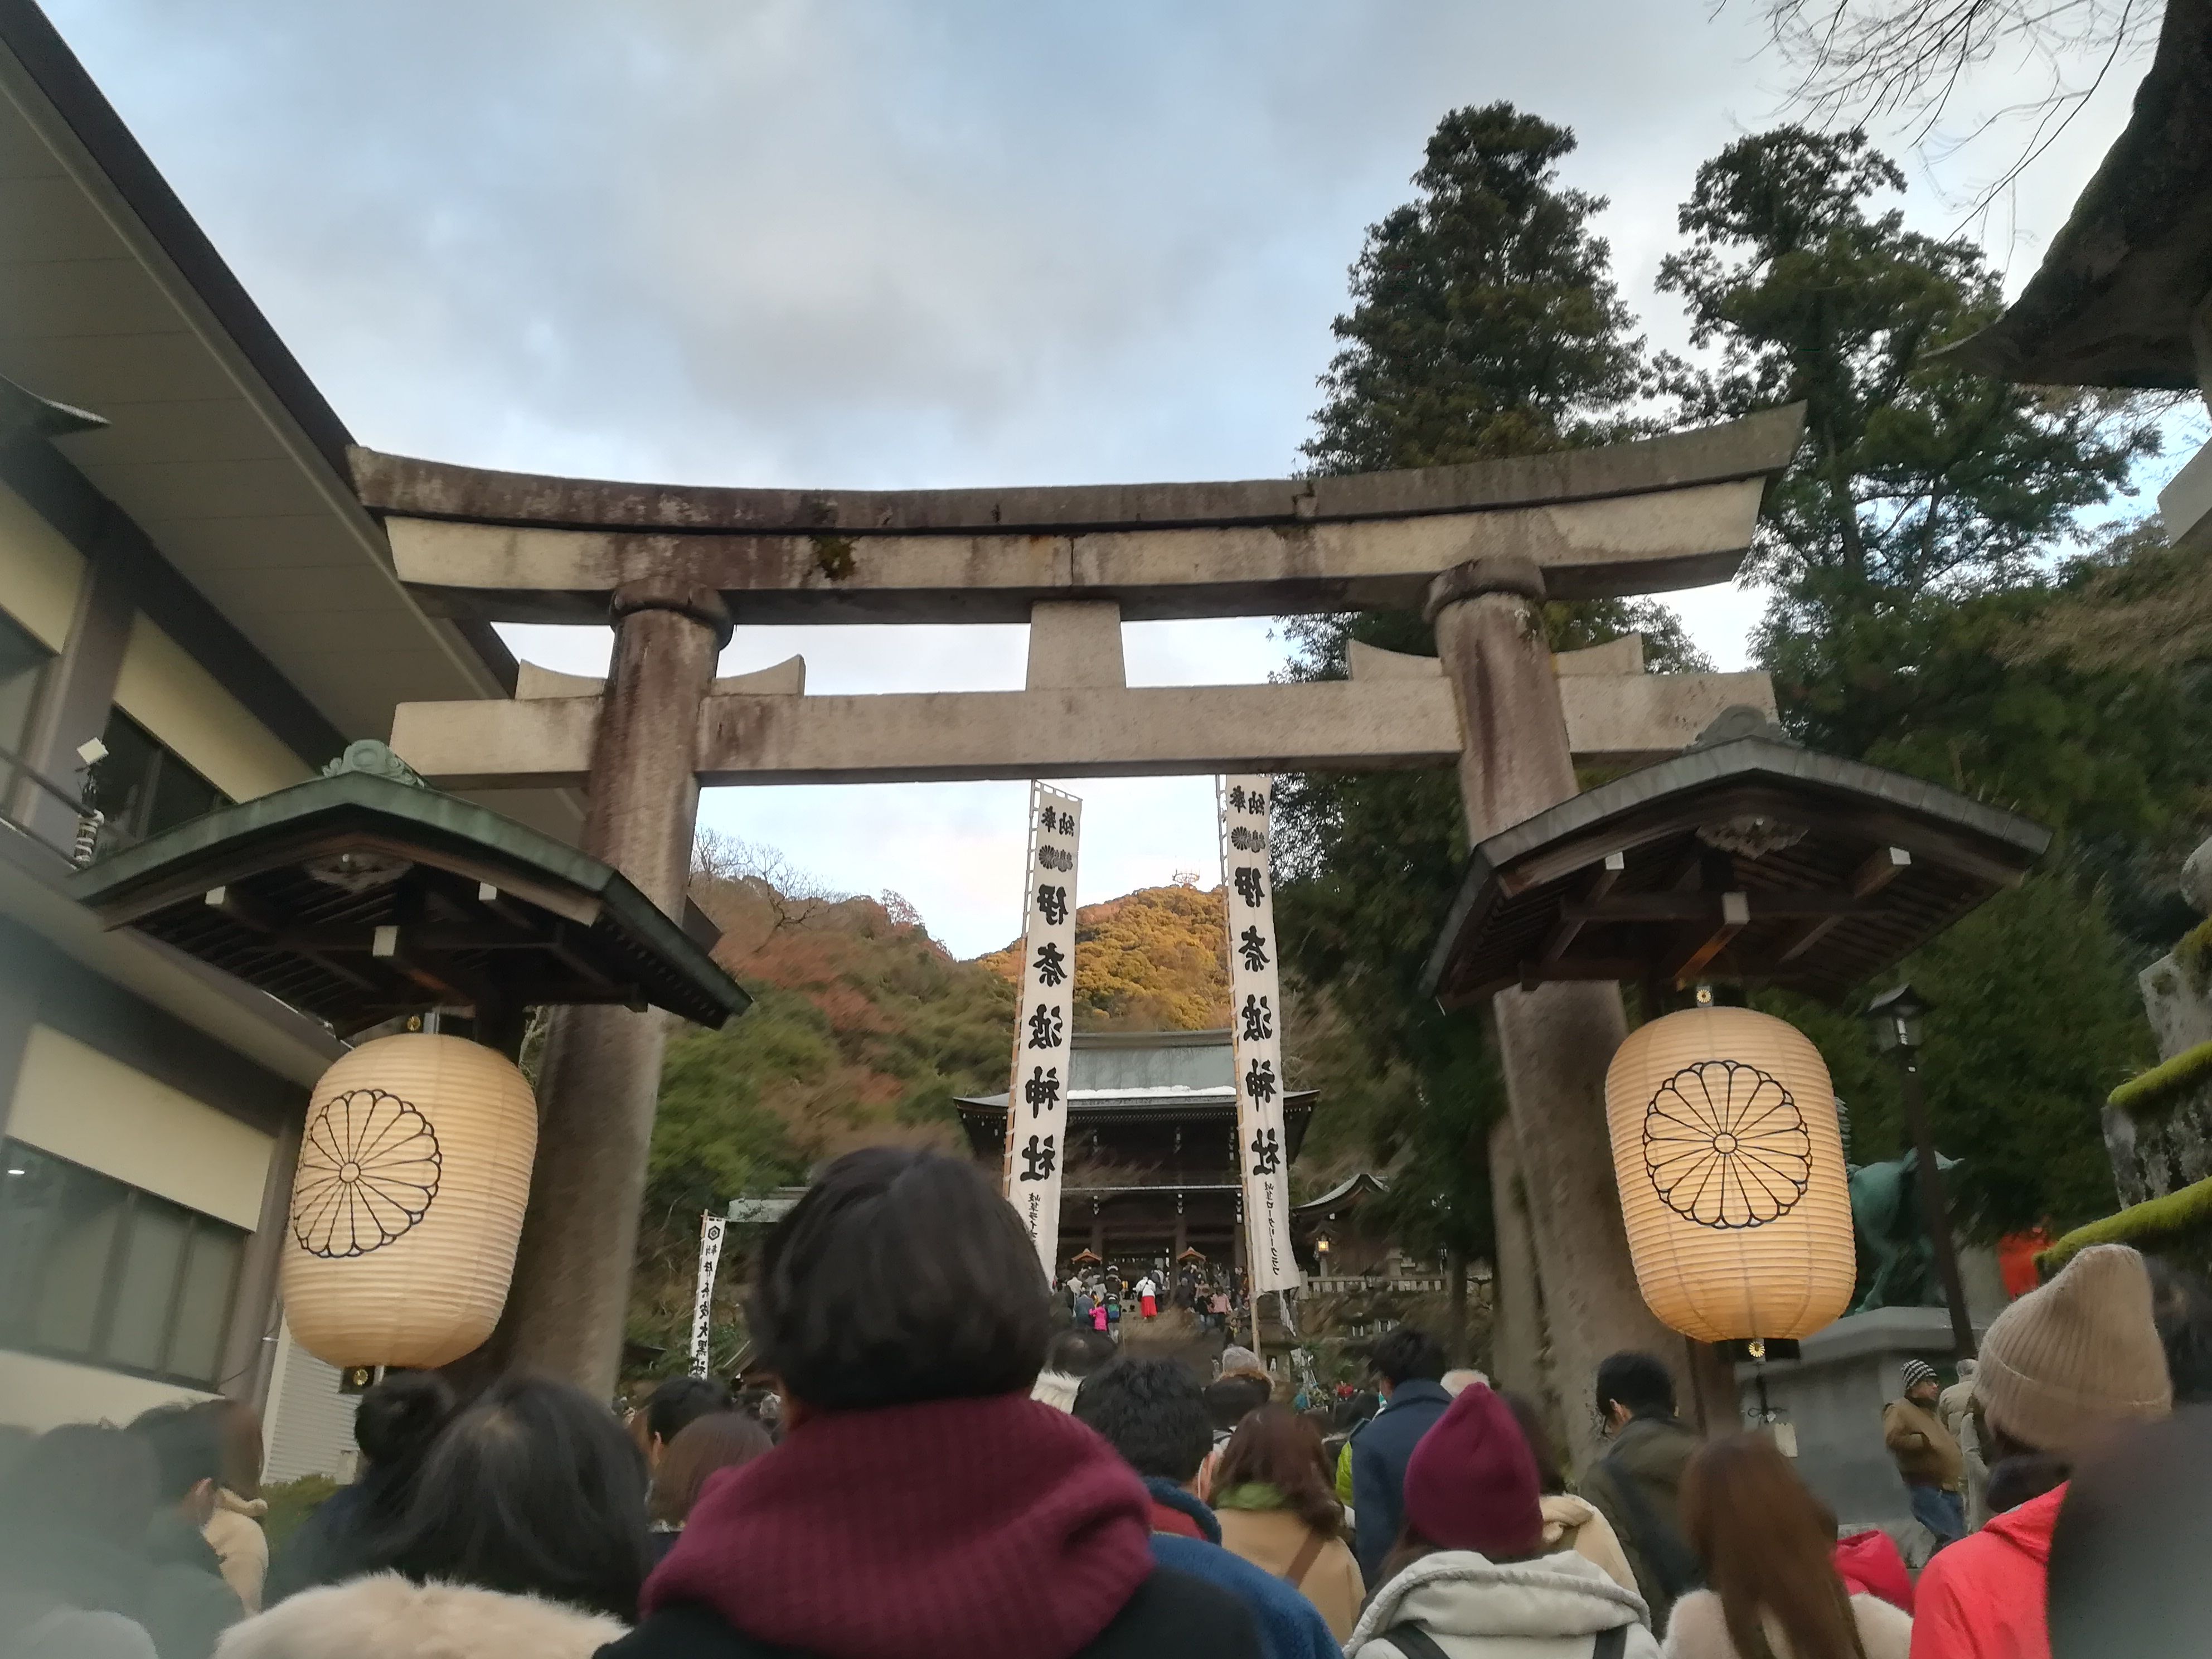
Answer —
(1044, 1024)
(711, 1229)
(1255, 1004)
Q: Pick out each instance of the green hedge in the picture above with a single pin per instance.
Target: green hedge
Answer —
(2153, 1093)
(2144, 1226)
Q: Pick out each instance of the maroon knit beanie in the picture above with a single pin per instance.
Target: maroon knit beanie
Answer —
(1471, 1483)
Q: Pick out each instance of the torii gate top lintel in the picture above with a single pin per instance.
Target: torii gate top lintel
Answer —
(1635, 518)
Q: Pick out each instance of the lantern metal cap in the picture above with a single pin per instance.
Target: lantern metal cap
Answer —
(1747, 860)
(1895, 1018)
(362, 896)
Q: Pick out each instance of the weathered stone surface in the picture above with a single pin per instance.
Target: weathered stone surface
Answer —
(1104, 731)
(1755, 446)
(1589, 549)
(1554, 1041)
(1075, 642)
(602, 1073)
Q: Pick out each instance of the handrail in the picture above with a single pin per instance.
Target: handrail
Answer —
(85, 843)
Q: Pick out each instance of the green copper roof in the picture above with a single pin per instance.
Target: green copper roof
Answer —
(362, 896)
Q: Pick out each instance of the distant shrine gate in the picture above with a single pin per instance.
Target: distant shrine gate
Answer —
(1476, 547)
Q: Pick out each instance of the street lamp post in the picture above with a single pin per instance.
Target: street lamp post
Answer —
(1898, 1017)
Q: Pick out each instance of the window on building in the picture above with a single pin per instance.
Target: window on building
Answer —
(93, 1270)
(143, 787)
(22, 670)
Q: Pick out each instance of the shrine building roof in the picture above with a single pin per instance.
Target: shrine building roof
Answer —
(1746, 859)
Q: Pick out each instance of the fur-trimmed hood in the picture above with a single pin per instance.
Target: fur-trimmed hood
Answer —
(385, 1617)
(1468, 1603)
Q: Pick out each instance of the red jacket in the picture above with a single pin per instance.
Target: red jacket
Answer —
(1869, 1565)
(1985, 1596)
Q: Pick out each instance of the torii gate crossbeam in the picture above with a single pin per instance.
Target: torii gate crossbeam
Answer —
(1477, 547)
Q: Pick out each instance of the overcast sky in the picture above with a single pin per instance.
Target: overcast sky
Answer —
(866, 243)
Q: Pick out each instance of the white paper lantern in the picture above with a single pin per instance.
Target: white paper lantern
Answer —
(413, 1175)
(1730, 1164)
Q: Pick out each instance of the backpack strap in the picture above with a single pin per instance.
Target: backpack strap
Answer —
(1413, 1642)
(1301, 1563)
(1610, 1643)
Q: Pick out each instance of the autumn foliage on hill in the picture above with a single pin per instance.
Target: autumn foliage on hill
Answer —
(1153, 960)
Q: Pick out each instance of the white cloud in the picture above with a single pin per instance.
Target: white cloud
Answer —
(777, 242)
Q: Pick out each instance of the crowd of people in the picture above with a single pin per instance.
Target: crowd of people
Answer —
(949, 1468)
(1099, 1299)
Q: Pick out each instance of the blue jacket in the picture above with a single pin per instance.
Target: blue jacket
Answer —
(1290, 1627)
(1380, 1446)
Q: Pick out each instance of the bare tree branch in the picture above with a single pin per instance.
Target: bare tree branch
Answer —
(1912, 61)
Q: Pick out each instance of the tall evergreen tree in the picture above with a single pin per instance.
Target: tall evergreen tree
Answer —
(1485, 323)
(1921, 531)
(1484, 320)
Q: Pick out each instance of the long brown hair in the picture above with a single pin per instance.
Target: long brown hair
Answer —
(720, 1440)
(1768, 1547)
(1277, 1445)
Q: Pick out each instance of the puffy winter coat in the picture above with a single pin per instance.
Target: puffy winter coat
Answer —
(385, 1617)
(1551, 1608)
(1984, 1597)
(1698, 1630)
(1651, 1452)
(1569, 1523)
(1380, 1450)
(233, 1531)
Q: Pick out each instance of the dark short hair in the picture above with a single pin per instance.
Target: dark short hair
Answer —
(1639, 1381)
(680, 1401)
(1230, 1400)
(1077, 1354)
(187, 1446)
(400, 1416)
(720, 1440)
(1151, 1412)
(533, 1490)
(1407, 1355)
(902, 1276)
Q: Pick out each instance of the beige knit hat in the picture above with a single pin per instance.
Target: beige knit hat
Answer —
(2076, 1356)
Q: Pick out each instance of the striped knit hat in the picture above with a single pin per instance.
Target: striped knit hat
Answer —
(1917, 1372)
(2076, 1356)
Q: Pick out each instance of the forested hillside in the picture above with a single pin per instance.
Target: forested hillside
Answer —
(1154, 960)
(864, 1028)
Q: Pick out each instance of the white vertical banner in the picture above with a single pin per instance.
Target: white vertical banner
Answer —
(711, 1229)
(1255, 1002)
(1044, 1023)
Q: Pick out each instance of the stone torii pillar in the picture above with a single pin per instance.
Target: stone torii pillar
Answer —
(1554, 1041)
(567, 1309)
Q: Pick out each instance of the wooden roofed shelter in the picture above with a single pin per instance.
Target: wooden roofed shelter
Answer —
(1477, 547)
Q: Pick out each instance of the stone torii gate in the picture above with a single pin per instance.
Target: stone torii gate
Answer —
(1478, 547)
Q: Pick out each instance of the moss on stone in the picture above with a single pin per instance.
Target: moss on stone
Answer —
(2143, 1226)
(833, 555)
(2193, 956)
(2151, 1095)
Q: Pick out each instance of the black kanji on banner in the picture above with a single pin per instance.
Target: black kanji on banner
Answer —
(1249, 887)
(1251, 945)
(1052, 905)
(1038, 1158)
(1045, 1029)
(1266, 1154)
(1051, 966)
(1260, 1080)
(1042, 1090)
(1259, 1019)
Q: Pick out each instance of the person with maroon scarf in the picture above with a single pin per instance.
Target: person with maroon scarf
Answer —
(920, 1505)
